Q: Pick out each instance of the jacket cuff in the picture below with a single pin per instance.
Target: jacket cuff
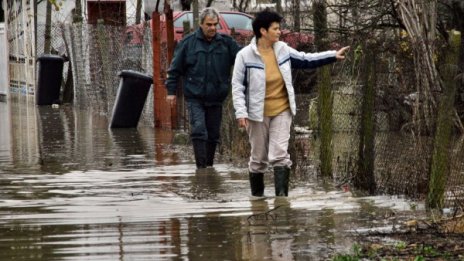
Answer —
(240, 115)
(171, 91)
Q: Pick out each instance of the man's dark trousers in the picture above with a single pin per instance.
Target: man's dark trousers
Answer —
(205, 124)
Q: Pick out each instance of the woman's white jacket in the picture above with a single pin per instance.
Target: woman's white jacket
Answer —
(249, 78)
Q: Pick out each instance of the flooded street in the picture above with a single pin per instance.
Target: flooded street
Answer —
(73, 189)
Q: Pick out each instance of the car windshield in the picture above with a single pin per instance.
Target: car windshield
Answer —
(179, 22)
(238, 21)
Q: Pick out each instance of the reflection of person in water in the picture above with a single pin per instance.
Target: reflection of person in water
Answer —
(257, 241)
(213, 237)
(263, 223)
(206, 184)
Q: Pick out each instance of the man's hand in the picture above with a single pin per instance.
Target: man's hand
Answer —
(171, 99)
(340, 55)
(242, 123)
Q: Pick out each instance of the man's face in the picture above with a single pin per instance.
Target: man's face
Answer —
(209, 27)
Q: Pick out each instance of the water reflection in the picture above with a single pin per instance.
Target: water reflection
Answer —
(256, 241)
(73, 189)
(206, 184)
(5, 133)
(55, 134)
(25, 144)
(58, 140)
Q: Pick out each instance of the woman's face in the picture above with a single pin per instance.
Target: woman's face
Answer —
(273, 33)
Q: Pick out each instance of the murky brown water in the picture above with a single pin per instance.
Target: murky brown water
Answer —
(72, 189)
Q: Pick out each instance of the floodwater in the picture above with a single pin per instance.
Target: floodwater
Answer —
(72, 189)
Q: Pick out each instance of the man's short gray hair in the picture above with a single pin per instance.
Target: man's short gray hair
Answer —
(208, 11)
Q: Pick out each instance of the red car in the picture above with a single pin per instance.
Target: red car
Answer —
(241, 23)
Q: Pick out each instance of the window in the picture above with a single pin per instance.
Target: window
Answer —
(238, 21)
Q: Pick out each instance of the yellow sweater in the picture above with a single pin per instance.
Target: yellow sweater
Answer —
(276, 100)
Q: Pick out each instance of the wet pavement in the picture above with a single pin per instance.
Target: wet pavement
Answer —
(73, 189)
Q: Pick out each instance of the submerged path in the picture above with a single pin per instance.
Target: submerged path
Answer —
(71, 189)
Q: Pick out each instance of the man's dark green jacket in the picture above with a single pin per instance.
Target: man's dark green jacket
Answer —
(204, 66)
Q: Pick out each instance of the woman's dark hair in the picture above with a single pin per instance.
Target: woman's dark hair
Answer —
(264, 19)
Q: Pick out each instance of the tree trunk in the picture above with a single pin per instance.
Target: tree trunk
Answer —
(279, 7)
(440, 167)
(195, 14)
(209, 3)
(420, 21)
(320, 24)
(325, 96)
(185, 4)
(68, 89)
(364, 178)
(48, 27)
(458, 14)
(77, 16)
(325, 111)
(296, 15)
(241, 6)
(138, 11)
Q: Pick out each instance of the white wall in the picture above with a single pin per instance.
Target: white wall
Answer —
(4, 79)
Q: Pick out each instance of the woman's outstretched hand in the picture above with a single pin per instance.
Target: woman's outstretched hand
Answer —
(340, 55)
(242, 123)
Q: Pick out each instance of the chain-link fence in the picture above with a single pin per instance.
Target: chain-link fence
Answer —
(402, 157)
(96, 54)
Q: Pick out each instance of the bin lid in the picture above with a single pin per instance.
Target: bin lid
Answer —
(135, 74)
(49, 57)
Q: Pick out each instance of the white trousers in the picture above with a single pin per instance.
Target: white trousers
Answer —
(269, 142)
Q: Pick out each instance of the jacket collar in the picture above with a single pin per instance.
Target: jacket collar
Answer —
(277, 46)
(199, 34)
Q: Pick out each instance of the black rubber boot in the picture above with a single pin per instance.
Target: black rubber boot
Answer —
(281, 177)
(199, 149)
(257, 184)
(210, 151)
